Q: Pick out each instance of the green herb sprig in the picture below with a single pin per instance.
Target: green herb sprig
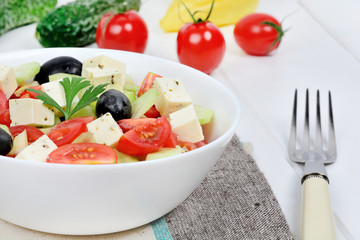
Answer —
(71, 89)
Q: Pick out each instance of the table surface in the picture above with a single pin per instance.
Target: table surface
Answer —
(319, 51)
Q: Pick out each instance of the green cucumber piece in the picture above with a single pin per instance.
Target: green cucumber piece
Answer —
(203, 114)
(87, 111)
(131, 95)
(58, 76)
(26, 72)
(165, 152)
(124, 158)
(16, 13)
(131, 88)
(143, 103)
(74, 24)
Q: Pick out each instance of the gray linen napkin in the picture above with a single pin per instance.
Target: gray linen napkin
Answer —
(235, 201)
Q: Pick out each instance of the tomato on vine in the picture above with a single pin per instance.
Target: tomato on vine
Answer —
(200, 44)
(258, 34)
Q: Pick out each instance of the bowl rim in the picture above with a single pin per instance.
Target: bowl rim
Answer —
(227, 135)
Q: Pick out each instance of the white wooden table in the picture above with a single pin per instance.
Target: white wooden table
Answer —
(320, 51)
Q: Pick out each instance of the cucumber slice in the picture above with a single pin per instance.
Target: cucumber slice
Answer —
(58, 76)
(144, 103)
(165, 152)
(25, 73)
(85, 137)
(132, 88)
(131, 95)
(87, 111)
(203, 114)
(124, 158)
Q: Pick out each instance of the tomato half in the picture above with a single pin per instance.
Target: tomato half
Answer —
(66, 132)
(28, 94)
(172, 141)
(4, 103)
(188, 146)
(147, 82)
(5, 117)
(126, 31)
(258, 34)
(32, 132)
(83, 153)
(129, 123)
(146, 138)
(201, 46)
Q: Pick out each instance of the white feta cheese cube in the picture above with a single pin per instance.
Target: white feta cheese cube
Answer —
(8, 83)
(28, 111)
(38, 150)
(185, 124)
(56, 91)
(105, 130)
(101, 62)
(173, 96)
(106, 75)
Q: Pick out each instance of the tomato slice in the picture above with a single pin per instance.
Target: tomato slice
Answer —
(4, 103)
(146, 138)
(28, 94)
(32, 132)
(147, 82)
(172, 141)
(128, 124)
(5, 117)
(189, 146)
(66, 132)
(86, 119)
(152, 112)
(83, 153)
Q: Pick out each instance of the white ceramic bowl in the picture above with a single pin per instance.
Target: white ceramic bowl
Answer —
(84, 199)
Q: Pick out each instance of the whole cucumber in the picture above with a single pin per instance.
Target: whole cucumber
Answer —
(74, 24)
(16, 13)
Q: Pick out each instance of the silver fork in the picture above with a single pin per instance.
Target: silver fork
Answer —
(317, 221)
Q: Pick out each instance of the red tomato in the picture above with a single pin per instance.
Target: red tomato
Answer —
(5, 117)
(145, 138)
(152, 112)
(4, 104)
(126, 31)
(32, 132)
(28, 94)
(85, 120)
(258, 34)
(66, 132)
(171, 141)
(128, 124)
(83, 153)
(201, 46)
(147, 82)
(188, 146)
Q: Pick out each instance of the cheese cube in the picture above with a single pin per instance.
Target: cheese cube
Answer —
(56, 91)
(28, 111)
(38, 151)
(173, 96)
(109, 75)
(105, 130)
(8, 83)
(185, 124)
(103, 62)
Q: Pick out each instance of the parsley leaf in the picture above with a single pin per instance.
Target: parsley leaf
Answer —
(71, 89)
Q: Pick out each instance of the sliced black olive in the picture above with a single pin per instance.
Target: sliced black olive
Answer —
(6, 142)
(63, 64)
(114, 102)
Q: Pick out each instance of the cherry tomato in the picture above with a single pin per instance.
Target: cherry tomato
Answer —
(66, 131)
(147, 82)
(146, 138)
(201, 46)
(28, 94)
(152, 112)
(32, 132)
(126, 31)
(4, 104)
(129, 123)
(258, 34)
(5, 117)
(171, 141)
(86, 119)
(188, 146)
(83, 153)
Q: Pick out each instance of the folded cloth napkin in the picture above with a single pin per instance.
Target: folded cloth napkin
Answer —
(234, 202)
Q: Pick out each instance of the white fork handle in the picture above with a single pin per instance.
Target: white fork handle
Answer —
(317, 215)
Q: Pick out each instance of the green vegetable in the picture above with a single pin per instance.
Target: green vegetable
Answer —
(26, 72)
(203, 114)
(15, 13)
(143, 103)
(74, 24)
(71, 89)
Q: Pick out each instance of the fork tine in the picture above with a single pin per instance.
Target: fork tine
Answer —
(332, 140)
(292, 138)
(306, 136)
(318, 135)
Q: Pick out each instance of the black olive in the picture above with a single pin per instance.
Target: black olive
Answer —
(114, 102)
(6, 142)
(63, 64)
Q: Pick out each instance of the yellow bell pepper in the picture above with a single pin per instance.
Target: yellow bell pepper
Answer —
(225, 12)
